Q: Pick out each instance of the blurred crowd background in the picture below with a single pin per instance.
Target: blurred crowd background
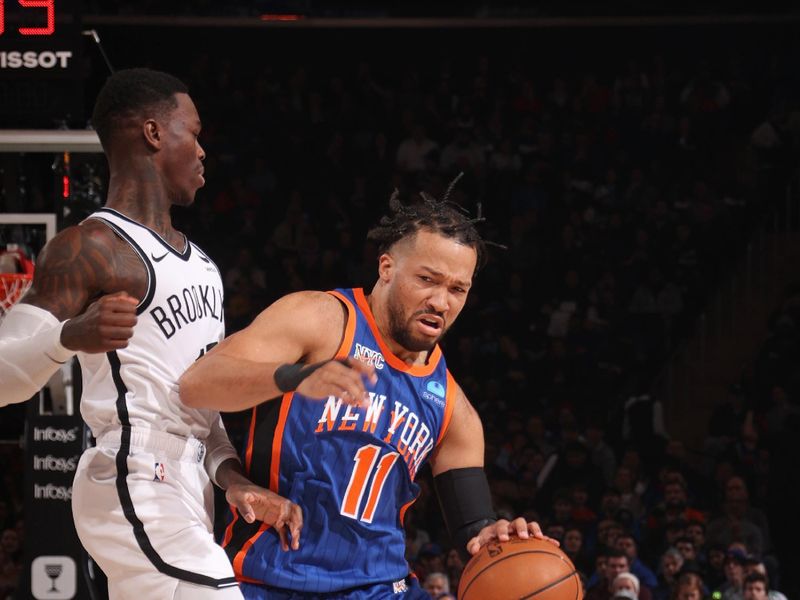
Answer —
(620, 173)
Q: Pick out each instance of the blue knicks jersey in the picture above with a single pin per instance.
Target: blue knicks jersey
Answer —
(351, 470)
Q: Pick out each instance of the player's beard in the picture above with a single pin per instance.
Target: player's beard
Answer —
(400, 329)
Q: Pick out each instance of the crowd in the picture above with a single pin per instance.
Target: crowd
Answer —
(614, 198)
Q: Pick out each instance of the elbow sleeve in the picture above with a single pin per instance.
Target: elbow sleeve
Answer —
(30, 352)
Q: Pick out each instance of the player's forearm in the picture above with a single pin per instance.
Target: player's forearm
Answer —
(228, 383)
(30, 352)
(229, 473)
(221, 456)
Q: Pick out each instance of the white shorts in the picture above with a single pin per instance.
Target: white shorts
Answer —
(150, 528)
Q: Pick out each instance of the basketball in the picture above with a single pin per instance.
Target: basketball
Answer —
(519, 569)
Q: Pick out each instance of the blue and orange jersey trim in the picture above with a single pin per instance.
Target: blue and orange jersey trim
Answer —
(396, 363)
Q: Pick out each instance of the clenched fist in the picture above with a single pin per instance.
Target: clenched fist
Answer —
(106, 325)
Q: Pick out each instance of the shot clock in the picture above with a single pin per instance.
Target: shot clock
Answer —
(40, 64)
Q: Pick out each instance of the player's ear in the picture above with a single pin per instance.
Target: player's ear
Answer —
(386, 264)
(152, 133)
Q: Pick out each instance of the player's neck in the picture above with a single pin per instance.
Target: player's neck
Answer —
(145, 201)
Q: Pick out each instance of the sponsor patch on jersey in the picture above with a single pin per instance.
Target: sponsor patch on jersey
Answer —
(434, 392)
(398, 587)
(436, 388)
(159, 472)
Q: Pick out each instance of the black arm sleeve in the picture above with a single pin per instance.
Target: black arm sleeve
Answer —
(466, 503)
(288, 377)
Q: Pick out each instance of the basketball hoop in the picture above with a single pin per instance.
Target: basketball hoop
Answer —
(12, 288)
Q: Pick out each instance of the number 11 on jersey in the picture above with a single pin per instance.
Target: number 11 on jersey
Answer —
(365, 459)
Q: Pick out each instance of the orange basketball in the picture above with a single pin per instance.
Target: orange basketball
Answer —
(519, 569)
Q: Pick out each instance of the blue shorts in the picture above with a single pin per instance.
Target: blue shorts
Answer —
(378, 591)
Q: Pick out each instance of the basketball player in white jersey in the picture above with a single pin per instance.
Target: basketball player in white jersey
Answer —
(138, 303)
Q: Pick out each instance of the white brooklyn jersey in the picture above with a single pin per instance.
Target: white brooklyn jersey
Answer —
(179, 319)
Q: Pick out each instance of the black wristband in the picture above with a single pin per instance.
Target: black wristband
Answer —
(288, 377)
(466, 502)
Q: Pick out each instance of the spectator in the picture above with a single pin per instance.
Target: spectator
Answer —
(455, 566)
(574, 548)
(436, 584)
(754, 566)
(430, 559)
(671, 564)
(696, 532)
(601, 453)
(685, 546)
(630, 495)
(627, 543)
(715, 574)
(416, 537)
(616, 564)
(10, 544)
(581, 513)
(737, 497)
(689, 587)
(732, 588)
(756, 587)
(625, 582)
(733, 525)
(599, 577)
(674, 508)
(572, 467)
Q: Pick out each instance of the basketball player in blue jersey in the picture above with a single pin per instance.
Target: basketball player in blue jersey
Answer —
(138, 303)
(365, 400)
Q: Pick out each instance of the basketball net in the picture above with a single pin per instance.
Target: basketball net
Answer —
(12, 287)
(16, 276)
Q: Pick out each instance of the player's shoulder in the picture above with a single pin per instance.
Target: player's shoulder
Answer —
(306, 309)
(89, 236)
(309, 301)
(312, 319)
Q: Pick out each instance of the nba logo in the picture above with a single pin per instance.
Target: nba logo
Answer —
(160, 472)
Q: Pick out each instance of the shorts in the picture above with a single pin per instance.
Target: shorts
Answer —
(407, 589)
(149, 526)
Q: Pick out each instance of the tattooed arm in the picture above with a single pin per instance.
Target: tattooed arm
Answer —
(83, 299)
(80, 265)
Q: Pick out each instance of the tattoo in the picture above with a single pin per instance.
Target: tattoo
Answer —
(81, 264)
(155, 214)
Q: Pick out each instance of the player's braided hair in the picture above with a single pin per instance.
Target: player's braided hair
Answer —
(438, 216)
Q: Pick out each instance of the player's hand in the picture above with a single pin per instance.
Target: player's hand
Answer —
(343, 379)
(502, 531)
(255, 503)
(106, 325)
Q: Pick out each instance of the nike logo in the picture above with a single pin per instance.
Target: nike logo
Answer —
(159, 258)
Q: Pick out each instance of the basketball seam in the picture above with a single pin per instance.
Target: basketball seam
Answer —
(469, 585)
(548, 586)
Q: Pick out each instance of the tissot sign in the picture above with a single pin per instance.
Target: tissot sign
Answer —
(41, 78)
